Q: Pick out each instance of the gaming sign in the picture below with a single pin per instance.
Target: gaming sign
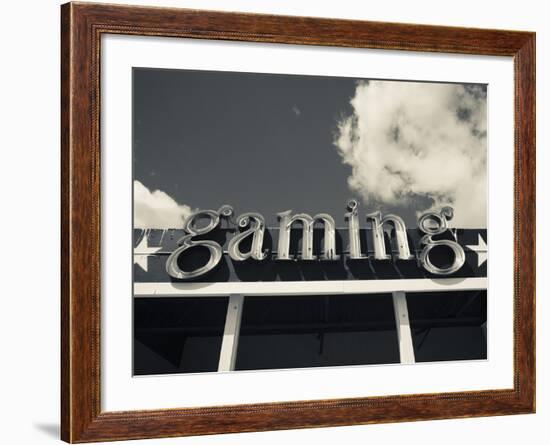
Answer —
(245, 251)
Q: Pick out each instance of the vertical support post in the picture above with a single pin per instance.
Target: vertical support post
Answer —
(230, 342)
(404, 336)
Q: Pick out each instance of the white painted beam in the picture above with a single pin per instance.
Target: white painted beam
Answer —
(230, 342)
(404, 335)
(327, 287)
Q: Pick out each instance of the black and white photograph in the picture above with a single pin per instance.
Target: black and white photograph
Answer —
(255, 223)
(297, 221)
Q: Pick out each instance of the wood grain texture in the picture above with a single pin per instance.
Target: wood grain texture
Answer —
(81, 29)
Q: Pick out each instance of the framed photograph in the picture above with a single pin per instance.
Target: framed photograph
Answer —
(279, 222)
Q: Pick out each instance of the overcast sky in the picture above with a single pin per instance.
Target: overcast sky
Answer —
(269, 143)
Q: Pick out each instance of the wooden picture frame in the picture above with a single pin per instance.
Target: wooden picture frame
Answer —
(82, 25)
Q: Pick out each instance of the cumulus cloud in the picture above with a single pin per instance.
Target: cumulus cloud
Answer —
(418, 142)
(157, 210)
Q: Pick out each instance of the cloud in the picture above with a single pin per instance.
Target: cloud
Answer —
(418, 142)
(296, 110)
(157, 210)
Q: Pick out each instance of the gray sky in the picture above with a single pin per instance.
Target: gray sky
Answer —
(268, 143)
